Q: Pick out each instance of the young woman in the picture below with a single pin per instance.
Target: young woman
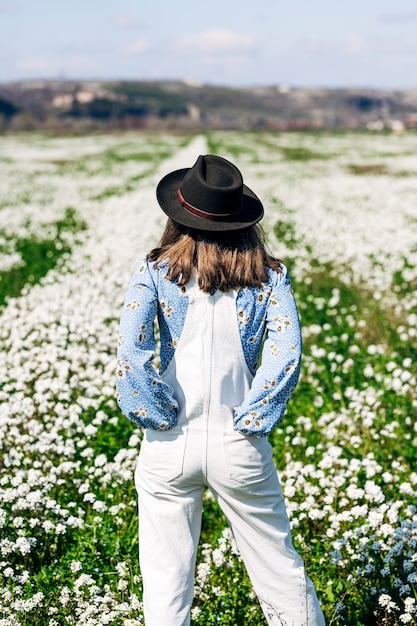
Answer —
(230, 351)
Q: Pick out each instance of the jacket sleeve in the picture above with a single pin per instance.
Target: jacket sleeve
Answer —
(141, 393)
(277, 376)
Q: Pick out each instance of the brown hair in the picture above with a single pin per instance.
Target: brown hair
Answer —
(223, 260)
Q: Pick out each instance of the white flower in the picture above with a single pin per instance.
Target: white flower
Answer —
(384, 600)
(23, 545)
(122, 569)
(64, 596)
(99, 506)
(100, 460)
(90, 430)
(203, 572)
(29, 603)
(134, 602)
(75, 566)
(58, 339)
(218, 557)
(195, 612)
(60, 529)
(410, 605)
(373, 492)
(83, 580)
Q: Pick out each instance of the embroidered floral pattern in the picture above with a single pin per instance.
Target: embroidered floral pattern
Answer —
(277, 376)
(270, 334)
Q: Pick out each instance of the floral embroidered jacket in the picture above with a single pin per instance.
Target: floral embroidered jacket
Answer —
(271, 339)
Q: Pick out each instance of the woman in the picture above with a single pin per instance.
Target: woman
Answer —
(229, 361)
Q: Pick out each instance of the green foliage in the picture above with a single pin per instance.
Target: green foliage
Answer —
(152, 98)
(301, 153)
(39, 255)
(345, 450)
(7, 108)
(284, 231)
(235, 151)
(376, 169)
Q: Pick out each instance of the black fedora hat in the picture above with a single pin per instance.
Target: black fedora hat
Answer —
(209, 196)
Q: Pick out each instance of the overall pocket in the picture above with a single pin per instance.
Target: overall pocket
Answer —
(248, 459)
(162, 453)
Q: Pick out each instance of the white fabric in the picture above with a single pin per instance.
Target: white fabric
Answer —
(209, 376)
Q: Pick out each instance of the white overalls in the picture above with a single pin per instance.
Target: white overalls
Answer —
(209, 376)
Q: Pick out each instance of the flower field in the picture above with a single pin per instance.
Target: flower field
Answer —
(75, 215)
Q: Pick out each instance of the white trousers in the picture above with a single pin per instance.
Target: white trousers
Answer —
(209, 376)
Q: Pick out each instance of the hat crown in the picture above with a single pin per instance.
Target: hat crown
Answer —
(214, 186)
(210, 195)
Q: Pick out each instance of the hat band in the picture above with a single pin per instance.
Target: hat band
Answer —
(198, 212)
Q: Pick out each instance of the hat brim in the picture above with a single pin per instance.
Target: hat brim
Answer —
(250, 212)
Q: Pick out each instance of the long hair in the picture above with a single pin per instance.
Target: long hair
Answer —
(223, 260)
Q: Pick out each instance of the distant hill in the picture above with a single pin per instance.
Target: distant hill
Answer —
(77, 106)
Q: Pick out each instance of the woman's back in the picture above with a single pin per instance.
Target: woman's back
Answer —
(230, 351)
(252, 316)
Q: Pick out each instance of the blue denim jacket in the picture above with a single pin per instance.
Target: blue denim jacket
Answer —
(271, 341)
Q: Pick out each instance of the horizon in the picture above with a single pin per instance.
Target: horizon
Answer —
(283, 87)
(322, 46)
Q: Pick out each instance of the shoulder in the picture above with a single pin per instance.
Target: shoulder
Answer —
(278, 278)
(281, 286)
(145, 267)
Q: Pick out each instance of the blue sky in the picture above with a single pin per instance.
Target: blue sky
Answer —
(323, 43)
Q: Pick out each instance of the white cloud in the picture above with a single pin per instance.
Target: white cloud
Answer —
(217, 41)
(136, 47)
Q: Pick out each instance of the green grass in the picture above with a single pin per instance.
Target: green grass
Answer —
(226, 597)
(346, 425)
(38, 256)
(129, 185)
(301, 153)
(377, 169)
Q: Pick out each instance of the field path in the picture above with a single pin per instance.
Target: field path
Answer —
(59, 337)
(139, 219)
(127, 226)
